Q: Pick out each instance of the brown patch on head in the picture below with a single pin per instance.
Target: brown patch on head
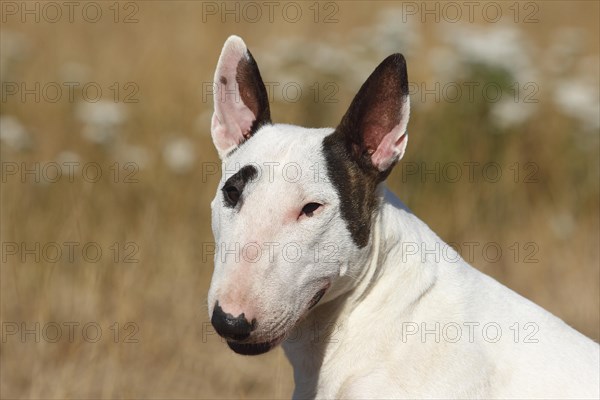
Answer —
(355, 186)
(223, 80)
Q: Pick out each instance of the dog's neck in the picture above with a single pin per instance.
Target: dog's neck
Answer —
(320, 334)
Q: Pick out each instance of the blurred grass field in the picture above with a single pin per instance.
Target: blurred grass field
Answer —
(542, 212)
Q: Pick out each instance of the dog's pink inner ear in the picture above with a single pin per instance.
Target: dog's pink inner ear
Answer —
(390, 149)
(381, 117)
(385, 136)
(241, 102)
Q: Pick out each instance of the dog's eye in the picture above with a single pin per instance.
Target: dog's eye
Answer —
(310, 208)
(231, 194)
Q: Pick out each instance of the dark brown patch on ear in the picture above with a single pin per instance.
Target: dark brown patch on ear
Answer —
(253, 92)
(374, 112)
(376, 109)
(223, 80)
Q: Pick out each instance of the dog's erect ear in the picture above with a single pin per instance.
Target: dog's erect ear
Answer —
(240, 99)
(374, 127)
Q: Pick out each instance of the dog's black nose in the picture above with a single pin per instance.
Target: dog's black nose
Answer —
(230, 327)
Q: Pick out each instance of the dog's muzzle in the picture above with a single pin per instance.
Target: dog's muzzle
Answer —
(237, 330)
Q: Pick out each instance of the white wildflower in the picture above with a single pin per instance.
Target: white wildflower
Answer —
(507, 112)
(102, 120)
(13, 47)
(70, 163)
(562, 225)
(580, 99)
(179, 155)
(496, 46)
(13, 133)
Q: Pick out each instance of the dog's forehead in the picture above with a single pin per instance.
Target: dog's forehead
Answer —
(281, 146)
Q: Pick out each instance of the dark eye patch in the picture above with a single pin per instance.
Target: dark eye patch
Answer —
(234, 186)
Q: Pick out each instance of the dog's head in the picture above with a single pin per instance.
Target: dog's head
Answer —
(294, 209)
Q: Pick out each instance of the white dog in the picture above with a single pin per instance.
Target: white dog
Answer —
(302, 217)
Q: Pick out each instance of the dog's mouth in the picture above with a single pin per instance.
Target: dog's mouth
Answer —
(317, 297)
(254, 349)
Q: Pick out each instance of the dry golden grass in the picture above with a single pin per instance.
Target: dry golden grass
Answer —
(170, 53)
